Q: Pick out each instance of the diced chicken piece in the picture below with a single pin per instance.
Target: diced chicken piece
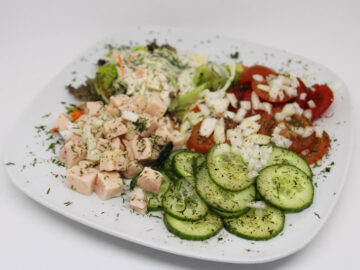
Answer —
(139, 103)
(81, 180)
(72, 152)
(162, 135)
(133, 131)
(177, 139)
(155, 107)
(150, 180)
(155, 152)
(133, 168)
(147, 125)
(93, 107)
(86, 164)
(138, 201)
(142, 148)
(165, 121)
(139, 206)
(113, 160)
(102, 144)
(81, 121)
(114, 128)
(129, 149)
(123, 103)
(112, 110)
(115, 144)
(138, 194)
(108, 185)
(62, 122)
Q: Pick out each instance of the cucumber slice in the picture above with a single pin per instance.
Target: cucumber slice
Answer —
(183, 163)
(182, 202)
(167, 167)
(154, 200)
(199, 161)
(229, 214)
(227, 169)
(202, 229)
(281, 155)
(221, 199)
(286, 187)
(257, 224)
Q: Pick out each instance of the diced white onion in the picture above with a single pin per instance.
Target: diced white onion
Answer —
(232, 99)
(208, 127)
(258, 77)
(311, 104)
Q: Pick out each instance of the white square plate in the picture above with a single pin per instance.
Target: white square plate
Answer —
(43, 182)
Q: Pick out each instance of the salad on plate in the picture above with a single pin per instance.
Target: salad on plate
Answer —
(212, 145)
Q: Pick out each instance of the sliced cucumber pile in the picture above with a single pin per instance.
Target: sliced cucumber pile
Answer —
(183, 163)
(285, 187)
(281, 155)
(201, 229)
(221, 199)
(228, 169)
(182, 202)
(257, 224)
(201, 193)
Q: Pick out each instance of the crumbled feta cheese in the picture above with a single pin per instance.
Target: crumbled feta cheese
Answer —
(208, 127)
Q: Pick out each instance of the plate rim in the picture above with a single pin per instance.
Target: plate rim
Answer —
(162, 248)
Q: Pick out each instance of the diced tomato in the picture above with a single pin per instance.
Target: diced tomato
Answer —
(318, 149)
(300, 144)
(200, 143)
(300, 90)
(267, 122)
(323, 98)
(248, 73)
(265, 95)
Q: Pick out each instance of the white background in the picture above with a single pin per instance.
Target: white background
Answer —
(38, 38)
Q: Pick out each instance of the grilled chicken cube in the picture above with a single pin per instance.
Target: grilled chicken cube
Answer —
(81, 180)
(108, 185)
(150, 180)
